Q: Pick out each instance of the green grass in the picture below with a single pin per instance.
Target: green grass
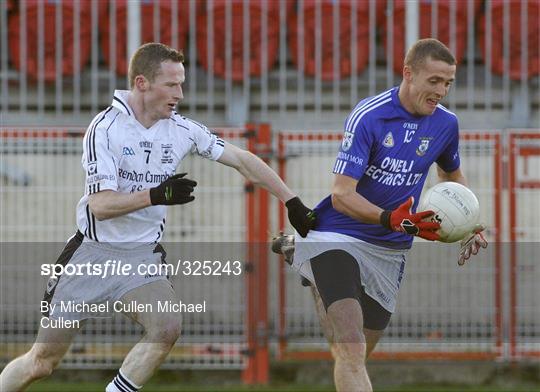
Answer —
(49, 386)
(153, 387)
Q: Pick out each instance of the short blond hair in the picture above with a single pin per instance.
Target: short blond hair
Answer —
(147, 60)
(428, 48)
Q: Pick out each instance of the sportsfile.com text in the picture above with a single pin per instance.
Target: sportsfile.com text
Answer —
(122, 268)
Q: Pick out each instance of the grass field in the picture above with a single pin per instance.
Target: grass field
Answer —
(317, 377)
(49, 386)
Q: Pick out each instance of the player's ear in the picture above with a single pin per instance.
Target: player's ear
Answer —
(407, 73)
(141, 83)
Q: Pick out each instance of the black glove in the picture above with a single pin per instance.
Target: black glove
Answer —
(174, 190)
(301, 217)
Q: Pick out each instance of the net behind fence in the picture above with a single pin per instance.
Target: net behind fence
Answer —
(42, 182)
(442, 309)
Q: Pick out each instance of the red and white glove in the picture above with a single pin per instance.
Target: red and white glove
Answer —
(471, 244)
(403, 220)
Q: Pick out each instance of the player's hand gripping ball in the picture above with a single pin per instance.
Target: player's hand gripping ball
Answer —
(302, 218)
(403, 220)
(174, 190)
(456, 209)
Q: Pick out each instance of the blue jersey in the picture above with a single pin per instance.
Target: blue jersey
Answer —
(389, 151)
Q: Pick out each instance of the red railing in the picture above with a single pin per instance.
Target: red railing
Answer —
(523, 145)
(493, 138)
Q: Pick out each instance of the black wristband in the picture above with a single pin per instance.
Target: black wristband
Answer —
(385, 219)
(294, 202)
(154, 196)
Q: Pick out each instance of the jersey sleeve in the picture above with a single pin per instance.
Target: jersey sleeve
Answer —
(355, 148)
(205, 143)
(449, 159)
(98, 161)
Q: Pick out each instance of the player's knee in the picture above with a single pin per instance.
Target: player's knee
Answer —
(333, 350)
(346, 331)
(41, 366)
(167, 331)
(352, 355)
(351, 335)
(351, 346)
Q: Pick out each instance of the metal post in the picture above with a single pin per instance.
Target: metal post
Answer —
(210, 56)
(77, 86)
(258, 363)
(470, 56)
(301, 61)
(513, 238)
(192, 58)
(282, 289)
(390, 45)
(4, 57)
(521, 106)
(372, 48)
(94, 58)
(133, 28)
(41, 58)
(318, 61)
(354, 54)
(282, 57)
(336, 56)
(59, 42)
(499, 284)
(264, 60)
(411, 22)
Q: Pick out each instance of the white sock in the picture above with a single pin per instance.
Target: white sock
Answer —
(121, 383)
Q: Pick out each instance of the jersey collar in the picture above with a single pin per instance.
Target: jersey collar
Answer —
(120, 100)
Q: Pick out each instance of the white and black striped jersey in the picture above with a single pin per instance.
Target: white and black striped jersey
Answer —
(121, 155)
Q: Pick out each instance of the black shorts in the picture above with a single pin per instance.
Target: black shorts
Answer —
(337, 276)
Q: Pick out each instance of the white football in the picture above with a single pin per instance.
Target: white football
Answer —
(456, 209)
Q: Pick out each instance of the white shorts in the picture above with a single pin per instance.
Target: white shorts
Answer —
(381, 269)
(105, 274)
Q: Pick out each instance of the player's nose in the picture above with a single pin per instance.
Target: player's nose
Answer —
(178, 94)
(441, 91)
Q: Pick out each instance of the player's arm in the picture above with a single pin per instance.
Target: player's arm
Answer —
(346, 200)
(255, 170)
(454, 176)
(111, 204)
(259, 173)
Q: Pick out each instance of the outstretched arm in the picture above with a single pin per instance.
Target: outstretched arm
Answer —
(255, 170)
(259, 173)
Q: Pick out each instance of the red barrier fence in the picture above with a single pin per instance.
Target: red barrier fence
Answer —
(473, 319)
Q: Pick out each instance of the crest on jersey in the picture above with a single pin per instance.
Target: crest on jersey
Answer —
(347, 140)
(92, 168)
(388, 140)
(166, 153)
(423, 147)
